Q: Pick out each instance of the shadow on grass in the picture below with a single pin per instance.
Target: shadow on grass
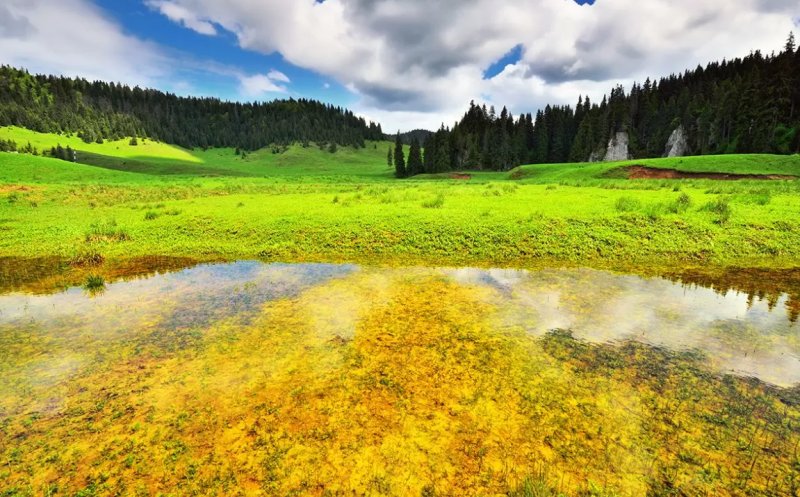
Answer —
(152, 166)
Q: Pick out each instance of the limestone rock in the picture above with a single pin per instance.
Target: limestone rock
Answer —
(618, 147)
(678, 143)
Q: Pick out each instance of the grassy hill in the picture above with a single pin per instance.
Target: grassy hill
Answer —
(732, 164)
(309, 204)
(153, 158)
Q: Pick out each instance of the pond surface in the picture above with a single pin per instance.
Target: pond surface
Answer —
(313, 379)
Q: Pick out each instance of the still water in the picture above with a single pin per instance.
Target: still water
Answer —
(278, 379)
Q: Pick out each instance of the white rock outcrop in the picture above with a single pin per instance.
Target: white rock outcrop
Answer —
(618, 148)
(678, 143)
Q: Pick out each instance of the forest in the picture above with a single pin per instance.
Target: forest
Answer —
(98, 111)
(744, 105)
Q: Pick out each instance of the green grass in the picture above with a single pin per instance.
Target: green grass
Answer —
(159, 159)
(305, 203)
(733, 164)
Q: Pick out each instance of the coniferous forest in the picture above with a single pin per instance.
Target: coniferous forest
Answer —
(745, 105)
(97, 111)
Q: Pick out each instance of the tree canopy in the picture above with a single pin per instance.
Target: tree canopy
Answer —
(97, 111)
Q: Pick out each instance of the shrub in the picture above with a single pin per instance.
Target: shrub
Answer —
(150, 215)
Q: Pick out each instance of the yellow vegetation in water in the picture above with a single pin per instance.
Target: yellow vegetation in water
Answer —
(390, 382)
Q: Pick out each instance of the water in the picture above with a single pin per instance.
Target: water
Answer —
(271, 379)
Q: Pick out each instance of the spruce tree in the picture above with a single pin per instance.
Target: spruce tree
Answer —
(389, 158)
(415, 165)
(430, 154)
(399, 158)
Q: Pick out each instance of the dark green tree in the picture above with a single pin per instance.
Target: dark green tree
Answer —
(399, 158)
(415, 165)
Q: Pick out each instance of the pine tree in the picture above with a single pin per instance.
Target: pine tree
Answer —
(389, 158)
(399, 158)
(415, 165)
(430, 154)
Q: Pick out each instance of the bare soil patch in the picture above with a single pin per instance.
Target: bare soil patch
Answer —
(462, 176)
(644, 172)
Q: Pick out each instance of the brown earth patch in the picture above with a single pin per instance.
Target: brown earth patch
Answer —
(461, 176)
(644, 172)
(17, 188)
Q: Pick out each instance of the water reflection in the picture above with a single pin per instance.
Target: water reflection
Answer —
(330, 380)
(737, 333)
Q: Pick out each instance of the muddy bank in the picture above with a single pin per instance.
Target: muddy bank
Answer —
(43, 275)
(644, 172)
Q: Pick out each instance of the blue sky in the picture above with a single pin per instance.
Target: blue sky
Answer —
(148, 24)
(403, 63)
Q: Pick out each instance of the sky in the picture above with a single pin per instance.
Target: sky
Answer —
(404, 63)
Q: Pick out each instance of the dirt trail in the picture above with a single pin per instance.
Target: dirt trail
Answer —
(644, 172)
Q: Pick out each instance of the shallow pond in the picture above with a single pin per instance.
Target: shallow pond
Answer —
(313, 379)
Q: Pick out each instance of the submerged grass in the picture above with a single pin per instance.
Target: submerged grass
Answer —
(380, 383)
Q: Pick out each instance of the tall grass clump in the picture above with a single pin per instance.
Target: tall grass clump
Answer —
(434, 203)
(722, 208)
(106, 231)
(627, 204)
(681, 204)
(94, 284)
(87, 257)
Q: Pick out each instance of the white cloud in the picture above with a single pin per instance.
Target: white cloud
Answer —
(258, 84)
(73, 37)
(420, 58)
(177, 13)
(276, 75)
(412, 63)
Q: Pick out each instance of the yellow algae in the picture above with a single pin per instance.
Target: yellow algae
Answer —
(375, 382)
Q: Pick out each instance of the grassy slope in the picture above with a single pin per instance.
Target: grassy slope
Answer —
(737, 164)
(306, 204)
(154, 158)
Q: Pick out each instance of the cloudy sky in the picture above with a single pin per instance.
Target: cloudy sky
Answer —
(404, 63)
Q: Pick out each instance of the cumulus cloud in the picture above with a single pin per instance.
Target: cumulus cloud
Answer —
(276, 75)
(258, 84)
(177, 13)
(415, 57)
(74, 37)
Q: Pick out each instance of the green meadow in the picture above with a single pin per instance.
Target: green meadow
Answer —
(301, 203)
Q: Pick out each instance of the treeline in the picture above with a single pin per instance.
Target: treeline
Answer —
(746, 105)
(58, 152)
(98, 111)
(11, 146)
